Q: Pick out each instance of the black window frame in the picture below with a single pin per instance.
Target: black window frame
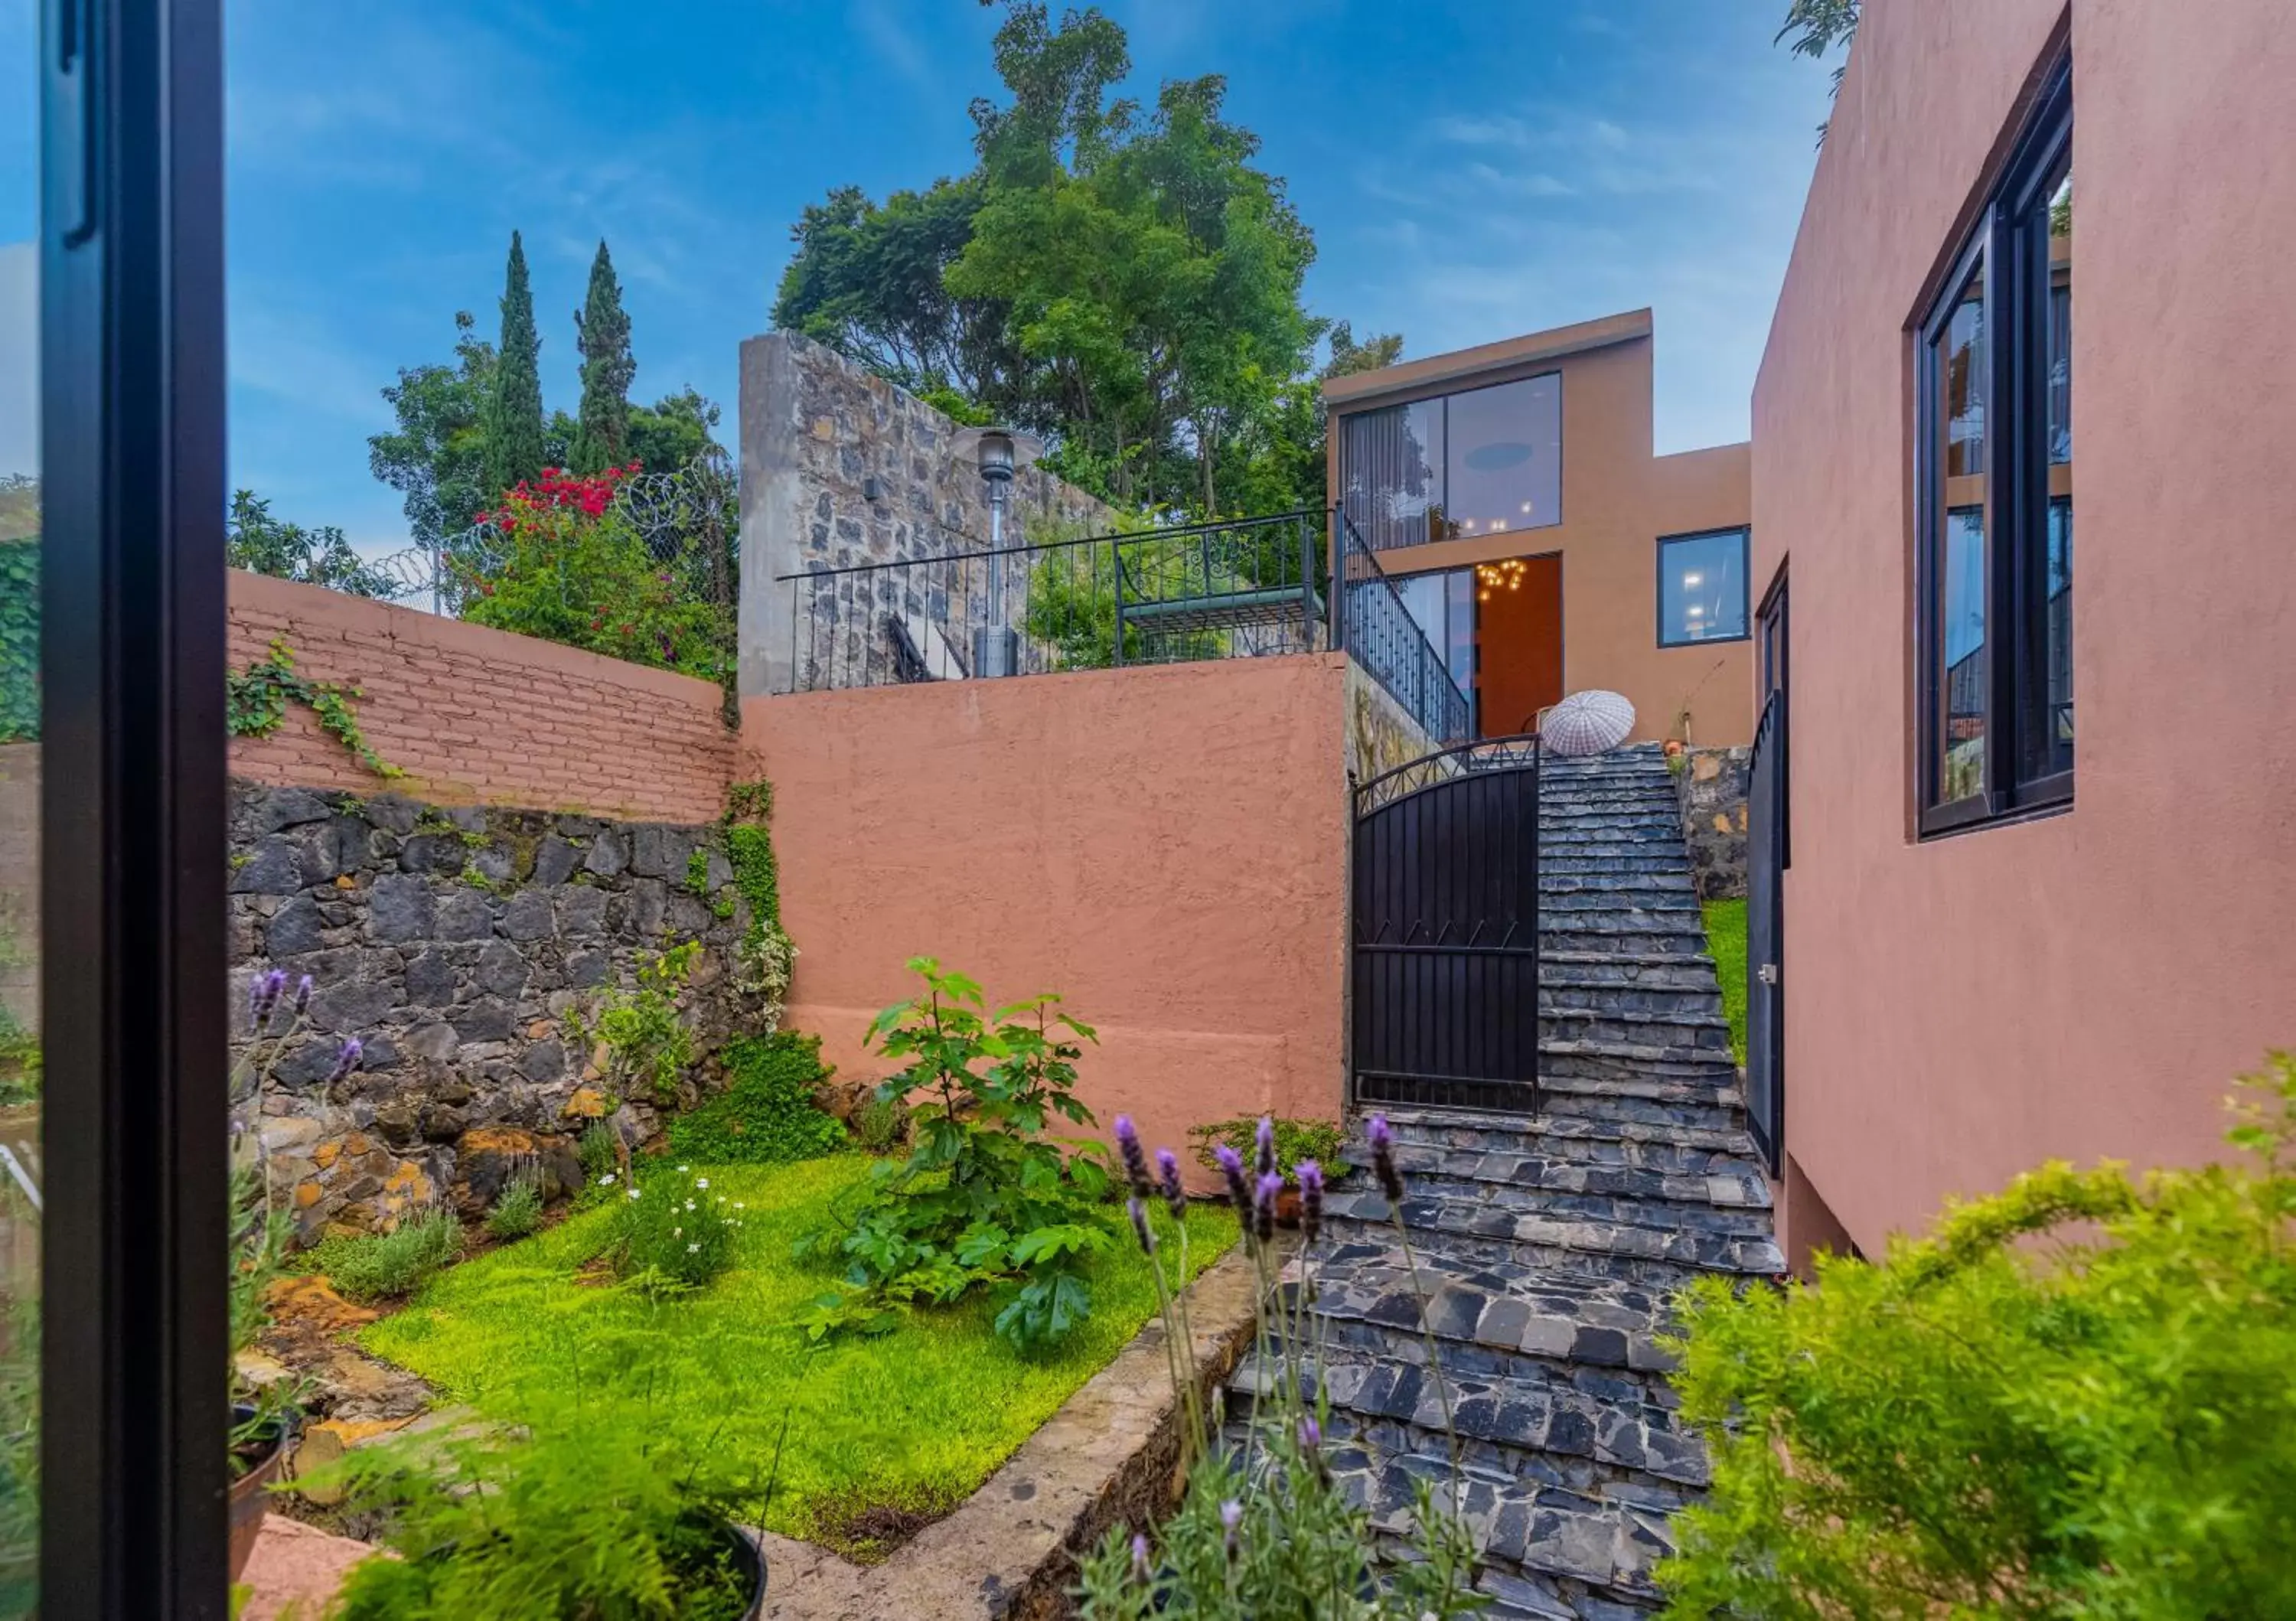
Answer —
(2010, 258)
(1745, 536)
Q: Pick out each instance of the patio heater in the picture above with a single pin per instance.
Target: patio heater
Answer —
(999, 452)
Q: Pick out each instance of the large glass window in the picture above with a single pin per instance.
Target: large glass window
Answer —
(1702, 589)
(1484, 461)
(1995, 464)
(1443, 603)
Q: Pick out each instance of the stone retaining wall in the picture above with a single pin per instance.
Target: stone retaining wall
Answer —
(455, 943)
(1713, 791)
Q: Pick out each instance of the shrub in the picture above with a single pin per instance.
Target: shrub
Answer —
(670, 1232)
(574, 1515)
(388, 1266)
(1295, 1139)
(647, 1043)
(767, 1113)
(984, 1198)
(518, 1207)
(1979, 1426)
(600, 1150)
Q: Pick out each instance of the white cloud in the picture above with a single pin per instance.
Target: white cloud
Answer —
(20, 357)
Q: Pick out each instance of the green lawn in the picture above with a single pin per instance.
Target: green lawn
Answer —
(1725, 937)
(908, 1423)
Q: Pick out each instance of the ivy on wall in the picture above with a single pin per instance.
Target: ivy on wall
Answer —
(766, 952)
(256, 701)
(20, 639)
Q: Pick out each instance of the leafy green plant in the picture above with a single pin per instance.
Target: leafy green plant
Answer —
(1317, 1140)
(388, 1266)
(647, 1042)
(19, 627)
(575, 1515)
(1268, 1529)
(256, 700)
(21, 1061)
(254, 539)
(599, 1149)
(2076, 1398)
(518, 1208)
(670, 1232)
(767, 1113)
(766, 953)
(986, 1197)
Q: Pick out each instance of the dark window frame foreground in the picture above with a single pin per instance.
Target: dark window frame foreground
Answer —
(135, 1336)
(2008, 260)
(1745, 537)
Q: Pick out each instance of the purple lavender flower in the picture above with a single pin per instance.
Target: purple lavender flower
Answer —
(266, 995)
(1310, 1177)
(302, 995)
(1263, 1158)
(1136, 1161)
(1231, 1165)
(1263, 1206)
(1383, 1158)
(1231, 1513)
(347, 1058)
(1168, 1183)
(1311, 1434)
(1139, 1212)
(1139, 1557)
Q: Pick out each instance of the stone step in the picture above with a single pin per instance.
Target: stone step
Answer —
(1658, 801)
(1646, 1195)
(1654, 969)
(1698, 1106)
(1603, 934)
(1599, 848)
(1676, 905)
(1570, 862)
(1621, 1068)
(1559, 823)
(1661, 883)
(1472, 1145)
(1557, 994)
(1663, 1258)
(1702, 1034)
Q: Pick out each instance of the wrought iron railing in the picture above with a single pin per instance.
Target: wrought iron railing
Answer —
(1229, 590)
(1382, 634)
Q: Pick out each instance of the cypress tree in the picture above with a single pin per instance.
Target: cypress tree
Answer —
(514, 448)
(601, 333)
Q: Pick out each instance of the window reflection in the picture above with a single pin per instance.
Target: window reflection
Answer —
(1484, 461)
(1963, 386)
(2049, 744)
(1702, 589)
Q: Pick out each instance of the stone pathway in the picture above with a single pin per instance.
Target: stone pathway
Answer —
(1549, 1244)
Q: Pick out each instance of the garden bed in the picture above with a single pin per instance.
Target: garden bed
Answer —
(884, 1433)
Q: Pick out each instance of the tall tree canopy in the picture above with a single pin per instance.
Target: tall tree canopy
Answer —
(514, 448)
(1124, 280)
(438, 457)
(602, 337)
(254, 539)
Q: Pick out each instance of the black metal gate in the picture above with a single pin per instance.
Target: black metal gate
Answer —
(1765, 991)
(1444, 930)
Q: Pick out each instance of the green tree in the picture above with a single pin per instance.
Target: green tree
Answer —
(514, 443)
(437, 459)
(254, 539)
(674, 431)
(1814, 27)
(2076, 1399)
(602, 336)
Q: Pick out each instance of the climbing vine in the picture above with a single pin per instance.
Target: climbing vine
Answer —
(20, 639)
(766, 951)
(257, 699)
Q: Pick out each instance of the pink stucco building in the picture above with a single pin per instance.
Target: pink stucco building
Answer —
(2005, 936)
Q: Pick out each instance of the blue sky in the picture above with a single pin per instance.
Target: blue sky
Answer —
(1471, 170)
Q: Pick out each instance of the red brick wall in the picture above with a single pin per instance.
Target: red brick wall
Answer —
(475, 715)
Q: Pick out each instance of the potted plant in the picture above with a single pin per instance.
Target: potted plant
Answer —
(583, 1512)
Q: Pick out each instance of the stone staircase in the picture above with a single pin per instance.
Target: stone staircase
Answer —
(1547, 1244)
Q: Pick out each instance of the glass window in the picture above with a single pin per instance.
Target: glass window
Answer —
(1502, 464)
(1996, 491)
(1442, 603)
(1486, 461)
(1702, 589)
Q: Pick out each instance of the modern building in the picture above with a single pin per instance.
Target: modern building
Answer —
(1513, 494)
(2029, 862)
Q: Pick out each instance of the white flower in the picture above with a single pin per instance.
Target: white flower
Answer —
(702, 1181)
(689, 1204)
(684, 1168)
(738, 1205)
(693, 1250)
(677, 1232)
(634, 1192)
(607, 1181)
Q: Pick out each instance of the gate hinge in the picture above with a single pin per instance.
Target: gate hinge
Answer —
(1767, 973)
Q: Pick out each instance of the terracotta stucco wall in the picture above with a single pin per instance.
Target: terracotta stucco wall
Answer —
(477, 716)
(2084, 985)
(1164, 847)
(1618, 500)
